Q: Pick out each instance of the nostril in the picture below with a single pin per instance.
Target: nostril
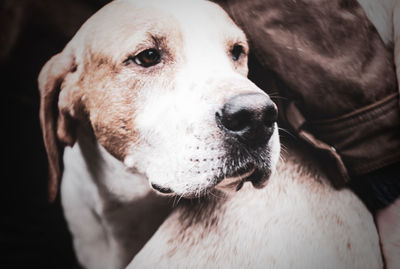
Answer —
(237, 121)
(270, 114)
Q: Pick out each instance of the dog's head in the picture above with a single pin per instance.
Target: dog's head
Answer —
(163, 85)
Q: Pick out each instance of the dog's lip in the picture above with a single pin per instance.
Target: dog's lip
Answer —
(162, 190)
(236, 181)
(232, 182)
(258, 178)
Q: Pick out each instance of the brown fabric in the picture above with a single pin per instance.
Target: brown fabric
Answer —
(368, 138)
(334, 165)
(339, 75)
(365, 140)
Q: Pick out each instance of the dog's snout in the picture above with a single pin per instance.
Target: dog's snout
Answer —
(249, 117)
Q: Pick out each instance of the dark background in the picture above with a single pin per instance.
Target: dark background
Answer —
(33, 232)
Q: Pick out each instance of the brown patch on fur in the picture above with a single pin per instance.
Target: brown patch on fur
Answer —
(110, 104)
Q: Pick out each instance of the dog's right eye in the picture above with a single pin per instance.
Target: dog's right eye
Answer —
(145, 58)
(236, 52)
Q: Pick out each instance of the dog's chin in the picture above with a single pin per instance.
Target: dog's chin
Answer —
(239, 165)
(231, 181)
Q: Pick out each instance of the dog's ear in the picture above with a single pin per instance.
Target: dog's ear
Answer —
(56, 124)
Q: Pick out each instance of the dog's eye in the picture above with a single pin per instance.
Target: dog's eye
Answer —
(146, 58)
(236, 52)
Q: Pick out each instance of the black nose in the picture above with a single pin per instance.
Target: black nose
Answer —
(248, 117)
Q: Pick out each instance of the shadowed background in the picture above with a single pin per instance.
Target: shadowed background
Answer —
(32, 231)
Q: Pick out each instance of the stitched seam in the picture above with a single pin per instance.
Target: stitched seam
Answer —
(382, 104)
(366, 119)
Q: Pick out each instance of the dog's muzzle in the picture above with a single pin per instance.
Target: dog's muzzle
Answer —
(246, 125)
(248, 122)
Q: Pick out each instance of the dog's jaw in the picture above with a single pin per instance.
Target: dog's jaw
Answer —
(202, 164)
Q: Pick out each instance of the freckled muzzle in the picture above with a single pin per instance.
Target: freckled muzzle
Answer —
(246, 124)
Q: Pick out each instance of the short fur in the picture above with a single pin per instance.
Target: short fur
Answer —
(129, 126)
(297, 221)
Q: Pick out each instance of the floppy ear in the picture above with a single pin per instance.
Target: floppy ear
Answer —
(50, 80)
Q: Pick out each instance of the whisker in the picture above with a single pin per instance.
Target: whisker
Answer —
(287, 132)
(277, 97)
(212, 193)
(180, 197)
(176, 201)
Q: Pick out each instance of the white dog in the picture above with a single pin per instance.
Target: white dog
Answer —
(154, 94)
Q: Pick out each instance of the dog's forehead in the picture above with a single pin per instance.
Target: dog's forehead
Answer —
(122, 25)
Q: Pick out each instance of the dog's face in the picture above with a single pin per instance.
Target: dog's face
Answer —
(163, 85)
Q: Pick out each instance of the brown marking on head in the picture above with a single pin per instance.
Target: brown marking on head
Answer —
(86, 82)
(110, 104)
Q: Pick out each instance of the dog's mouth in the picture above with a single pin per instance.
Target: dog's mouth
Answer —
(236, 180)
(231, 176)
(232, 182)
(229, 182)
(249, 173)
(239, 164)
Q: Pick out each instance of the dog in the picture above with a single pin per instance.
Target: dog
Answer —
(154, 102)
(150, 98)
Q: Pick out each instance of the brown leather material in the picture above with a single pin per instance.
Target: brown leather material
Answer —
(366, 139)
(328, 53)
(330, 159)
(339, 78)
(356, 143)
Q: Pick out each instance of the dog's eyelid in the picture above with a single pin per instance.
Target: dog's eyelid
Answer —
(145, 58)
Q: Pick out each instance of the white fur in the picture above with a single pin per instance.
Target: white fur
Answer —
(297, 221)
(103, 202)
(110, 208)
